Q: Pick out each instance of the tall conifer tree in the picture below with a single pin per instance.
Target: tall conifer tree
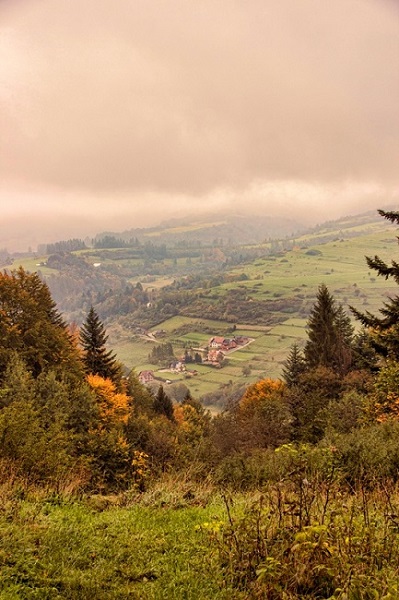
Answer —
(344, 341)
(163, 405)
(96, 358)
(294, 366)
(320, 349)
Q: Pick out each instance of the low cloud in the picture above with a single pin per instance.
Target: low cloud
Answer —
(117, 105)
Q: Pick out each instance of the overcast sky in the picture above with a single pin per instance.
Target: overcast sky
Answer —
(118, 113)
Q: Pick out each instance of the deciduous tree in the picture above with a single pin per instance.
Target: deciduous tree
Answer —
(31, 325)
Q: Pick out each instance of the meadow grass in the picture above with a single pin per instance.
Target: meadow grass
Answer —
(292, 331)
(35, 264)
(55, 548)
(186, 540)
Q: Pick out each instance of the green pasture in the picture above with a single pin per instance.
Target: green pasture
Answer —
(200, 387)
(170, 325)
(340, 265)
(58, 549)
(295, 322)
(291, 331)
(265, 354)
(198, 339)
(34, 265)
(133, 353)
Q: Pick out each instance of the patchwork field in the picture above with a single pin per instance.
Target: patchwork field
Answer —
(339, 263)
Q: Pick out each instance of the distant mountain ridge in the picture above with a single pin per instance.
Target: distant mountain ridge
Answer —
(234, 229)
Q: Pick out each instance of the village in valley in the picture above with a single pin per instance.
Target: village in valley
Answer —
(213, 354)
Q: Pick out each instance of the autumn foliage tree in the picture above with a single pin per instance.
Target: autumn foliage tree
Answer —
(259, 420)
(31, 326)
(110, 450)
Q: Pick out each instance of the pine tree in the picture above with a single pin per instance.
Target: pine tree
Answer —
(344, 341)
(385, 329)
(320, 349)
(365, 356)
(163, 404)
(294, 366)
(97, 359)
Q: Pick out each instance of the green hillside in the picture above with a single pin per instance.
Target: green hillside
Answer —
(287, 282)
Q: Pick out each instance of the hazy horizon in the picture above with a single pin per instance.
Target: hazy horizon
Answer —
(121, 115)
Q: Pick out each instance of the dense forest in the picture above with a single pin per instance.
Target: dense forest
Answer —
(324, 437)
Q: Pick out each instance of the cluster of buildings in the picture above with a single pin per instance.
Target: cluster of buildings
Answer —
(218, 347)
(213, 355)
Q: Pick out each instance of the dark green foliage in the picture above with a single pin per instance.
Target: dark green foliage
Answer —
(110, 241)
(364, 354)
(315, 389)
(142, 398)
(294, 366)
(161, 354)
(320, 349)
(17, 382)
(344, 332)
(162, 404)
(64, 246)
(345, 414)
(370, 454)
(386, 327)
(330, 335)
(96, 358)
(44, 422)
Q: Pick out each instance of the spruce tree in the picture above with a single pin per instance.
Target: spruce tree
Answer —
(365, 356)
(320, 349)
(294, 366)
(385, 328)
(163, 404)
(97, 359)
(344, 341)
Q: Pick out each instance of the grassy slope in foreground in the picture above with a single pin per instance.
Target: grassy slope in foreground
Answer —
(58, 549)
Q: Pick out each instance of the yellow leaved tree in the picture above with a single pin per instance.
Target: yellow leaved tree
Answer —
(263, 415)
(113, 406)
